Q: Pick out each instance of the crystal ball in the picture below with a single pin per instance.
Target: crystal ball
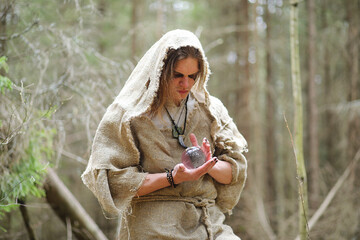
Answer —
(193, 157)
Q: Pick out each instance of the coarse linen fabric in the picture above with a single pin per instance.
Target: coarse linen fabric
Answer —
(128, 146)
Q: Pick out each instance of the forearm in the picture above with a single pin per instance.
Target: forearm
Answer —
(152, 183)
(222, 172)
(180, 174)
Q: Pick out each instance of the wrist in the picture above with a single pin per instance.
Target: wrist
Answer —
(175, 179)
(214, 168)
(170, 177)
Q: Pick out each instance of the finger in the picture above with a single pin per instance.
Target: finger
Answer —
(206, 149)
(205, 143)
(180, 167)
(206, 166)
(193, 140)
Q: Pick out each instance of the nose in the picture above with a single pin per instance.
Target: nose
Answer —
(184, 82)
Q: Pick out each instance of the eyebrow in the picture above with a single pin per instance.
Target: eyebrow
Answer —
(193, 74)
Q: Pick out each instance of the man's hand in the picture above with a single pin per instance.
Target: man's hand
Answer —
(183, 174)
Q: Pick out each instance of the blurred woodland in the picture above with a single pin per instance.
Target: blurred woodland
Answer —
(62, 62)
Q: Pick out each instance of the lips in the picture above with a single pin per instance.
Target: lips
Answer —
(183, 91)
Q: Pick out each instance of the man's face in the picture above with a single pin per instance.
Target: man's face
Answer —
(185, 73)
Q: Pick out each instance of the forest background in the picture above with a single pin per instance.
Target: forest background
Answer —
(63, 62)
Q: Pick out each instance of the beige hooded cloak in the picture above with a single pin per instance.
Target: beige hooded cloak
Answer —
(128, 145)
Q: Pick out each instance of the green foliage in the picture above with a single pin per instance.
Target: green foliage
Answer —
(23, 162)
(48, 113)
(92, 59)
(24, 177)
(3, 63)
(5, 82)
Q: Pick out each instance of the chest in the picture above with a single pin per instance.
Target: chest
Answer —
(158, 148)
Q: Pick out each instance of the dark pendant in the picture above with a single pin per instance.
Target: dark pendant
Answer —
(176, 131)
(181, 141)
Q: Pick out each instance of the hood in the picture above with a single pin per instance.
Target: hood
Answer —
(140, 89)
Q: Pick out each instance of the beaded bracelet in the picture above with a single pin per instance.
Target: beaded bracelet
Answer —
(170, 178)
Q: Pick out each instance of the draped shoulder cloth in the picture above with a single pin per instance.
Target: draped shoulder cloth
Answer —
(115, 161)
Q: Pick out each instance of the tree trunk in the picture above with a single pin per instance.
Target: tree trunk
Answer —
(312, 115)
(352, 13)
(134, 21)
(67, 207)
(264, 135)
(274, 166)
(329, 119)
(242, 111)
(26, 218)
(298, 119)
(264, 187)
(160, 19)
(5, 7)
(270, 110)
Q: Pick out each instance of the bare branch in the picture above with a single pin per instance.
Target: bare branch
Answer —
(26, 218)
(66, 205)
(16, 35)
(332, 193)
(75, 157)
(263, 219)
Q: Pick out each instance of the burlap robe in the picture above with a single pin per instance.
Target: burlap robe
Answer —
(128, 146)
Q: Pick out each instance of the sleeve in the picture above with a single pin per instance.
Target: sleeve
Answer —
(229, 146)
(113, 172)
